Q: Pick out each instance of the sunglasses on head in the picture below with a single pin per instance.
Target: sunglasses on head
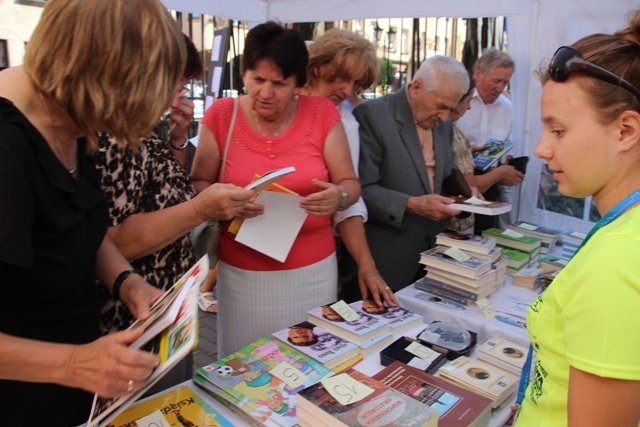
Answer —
(567, 60)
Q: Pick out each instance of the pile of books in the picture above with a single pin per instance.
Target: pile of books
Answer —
(522, 250)
(528, 278)
(367, 402)
(571, 241)
(456, 406)
(503, 354)
(479, 273)
(482, 378)
(549, 237)
(260, 381)
(552, 262)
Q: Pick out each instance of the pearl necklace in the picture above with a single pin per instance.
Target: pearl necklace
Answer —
(73, 170)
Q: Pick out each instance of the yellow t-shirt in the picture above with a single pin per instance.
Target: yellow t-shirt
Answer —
(588, 318)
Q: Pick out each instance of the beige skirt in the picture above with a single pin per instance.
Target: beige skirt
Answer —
(254, 304)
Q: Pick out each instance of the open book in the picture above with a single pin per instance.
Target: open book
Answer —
(171, 332)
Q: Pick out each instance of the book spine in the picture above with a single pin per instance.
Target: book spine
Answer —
(431, 286)
(450, 296)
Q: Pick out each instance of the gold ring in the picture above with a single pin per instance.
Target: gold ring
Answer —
(130, 386)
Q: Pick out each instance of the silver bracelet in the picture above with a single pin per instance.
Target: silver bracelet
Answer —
(182, 147)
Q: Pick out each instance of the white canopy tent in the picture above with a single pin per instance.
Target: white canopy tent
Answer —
(536, 29)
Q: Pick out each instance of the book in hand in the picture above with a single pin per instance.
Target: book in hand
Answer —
(482, 207)
(182, 406)
(468, 242)
(413, 353)
(261, 381)
(357, 331)
(436, 257)
(503, 353)
(384, 406)
(512, 239)
(492, 151)
(399, 319)
(317, 343)
(456, 406)
(480, 377)
(269, 178)
(174, 320)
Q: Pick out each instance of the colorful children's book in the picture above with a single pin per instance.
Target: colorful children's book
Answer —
(262, 380)
(317, 343)
(179, 407)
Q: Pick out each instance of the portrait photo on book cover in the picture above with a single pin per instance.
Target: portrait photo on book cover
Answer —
(302, 334)
(370, 306)
(330, 314)
(478, 373)
(513, 352)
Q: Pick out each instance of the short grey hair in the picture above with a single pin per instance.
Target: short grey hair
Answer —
(492, 57)
(436, 70)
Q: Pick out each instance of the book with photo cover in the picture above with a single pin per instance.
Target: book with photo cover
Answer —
(384, 406)
(399, 319)
(468, 242)
(437, 258)
(261, 380)
(503, 353)
(358, 331)
(181, 406)
(456, 406)
(172, 344)
(492, 151)
(317, 343)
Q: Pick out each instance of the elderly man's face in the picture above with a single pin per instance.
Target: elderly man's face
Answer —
(492, 83)
(430, 107)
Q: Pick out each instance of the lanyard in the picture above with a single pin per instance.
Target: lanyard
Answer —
(609, 217)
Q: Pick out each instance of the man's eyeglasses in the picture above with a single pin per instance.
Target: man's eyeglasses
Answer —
(567, 60)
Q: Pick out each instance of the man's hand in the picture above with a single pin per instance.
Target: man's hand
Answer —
(510, 175)
(432, 206)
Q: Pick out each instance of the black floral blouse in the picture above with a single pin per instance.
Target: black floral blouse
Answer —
(136, 183)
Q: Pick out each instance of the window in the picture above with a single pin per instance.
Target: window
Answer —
(404, 42)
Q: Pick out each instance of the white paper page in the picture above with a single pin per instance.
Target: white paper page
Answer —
(274, 232)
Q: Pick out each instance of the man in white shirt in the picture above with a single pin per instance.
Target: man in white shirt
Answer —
(490, 115)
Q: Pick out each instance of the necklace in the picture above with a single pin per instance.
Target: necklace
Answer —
(73, 170)
(279, 131)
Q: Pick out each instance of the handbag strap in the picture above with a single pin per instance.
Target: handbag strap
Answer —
(228, 143)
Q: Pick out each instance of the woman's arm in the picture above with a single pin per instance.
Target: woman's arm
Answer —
(602, 402)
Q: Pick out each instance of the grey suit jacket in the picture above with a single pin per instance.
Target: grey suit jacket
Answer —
(392, 169)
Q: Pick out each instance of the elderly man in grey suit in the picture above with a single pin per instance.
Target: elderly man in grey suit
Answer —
(405, 154)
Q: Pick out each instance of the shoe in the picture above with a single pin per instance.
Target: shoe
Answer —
(207, 303)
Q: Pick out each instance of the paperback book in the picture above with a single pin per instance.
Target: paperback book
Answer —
(485, 280)
(479, 206)
(492, 151)
(548, 236)
(399, 319)
(317, 343)
(503, 354)
(384, 406)
(468, 242)
(413, 353)
(458, 294)
(357, 331)
(472, 267)
(552, 262)
(456, 406)
(262, 380)
(512, 239)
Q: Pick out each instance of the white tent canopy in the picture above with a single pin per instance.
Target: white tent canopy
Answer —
(536, 29)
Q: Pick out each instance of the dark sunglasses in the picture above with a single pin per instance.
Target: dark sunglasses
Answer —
(567, 60)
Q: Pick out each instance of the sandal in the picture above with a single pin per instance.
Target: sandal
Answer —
(207, 303)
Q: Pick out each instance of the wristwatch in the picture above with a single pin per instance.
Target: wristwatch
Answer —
(344, 197)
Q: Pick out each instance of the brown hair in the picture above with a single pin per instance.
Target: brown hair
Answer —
(334, 48)
(113, 63)
(619, 53)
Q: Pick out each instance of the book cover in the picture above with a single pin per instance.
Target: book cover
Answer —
(456, 406)
(179, 407)
(436, 257)
(516, 259)
(467, 242)
(358, 331)
(251, 379)
(510, 239)
(492, 151)
(397, 318)
(172, 344)
(503, 353)
(318, 343)
(413, 353)
(384, 407)
(553, 263)
(550, 234)
(479, 206)
(268, 178)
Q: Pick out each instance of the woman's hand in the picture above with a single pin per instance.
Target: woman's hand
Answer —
(373, 286)
(108, 367)
(324, 202)
(138, 295)
(222, 201)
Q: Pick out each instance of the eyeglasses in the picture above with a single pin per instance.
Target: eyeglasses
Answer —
(567, 60)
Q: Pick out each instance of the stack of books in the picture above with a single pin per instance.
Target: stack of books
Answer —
(549, 237)
(456, 406)
(503, 354)
(462, 294)
(516, 260)
(571, 241)
(480, 377)
(399, 320)
(369, 333)
(317, 343)
(260, 381)
(528, 278)
(370, 403)
(514, 240)
(552, 262)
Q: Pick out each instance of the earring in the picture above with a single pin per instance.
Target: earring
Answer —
(244, 90)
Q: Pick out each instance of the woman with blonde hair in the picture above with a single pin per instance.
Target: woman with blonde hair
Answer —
(90, 65)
